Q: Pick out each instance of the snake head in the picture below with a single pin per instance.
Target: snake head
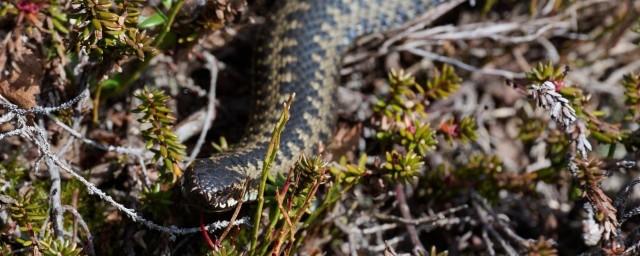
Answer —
(210, 185)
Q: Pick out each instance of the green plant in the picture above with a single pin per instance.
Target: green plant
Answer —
(27, 204)
(417, 136)
(108, 27)
(483, 173)
(270, 156)
(546, 72)
(159, 137)
(463, 130)
(631, 84)
(157, 201)
(288, 200)
(346, 173)
(404, 97)
(434, 252)
(50, 246)
(220, 146)
(408, 99)
(443, 84)
(401, 167)
(29, 211)
(402, 112)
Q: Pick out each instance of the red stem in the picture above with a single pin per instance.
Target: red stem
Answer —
(205, 234)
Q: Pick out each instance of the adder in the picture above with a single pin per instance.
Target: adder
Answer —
(301, 54)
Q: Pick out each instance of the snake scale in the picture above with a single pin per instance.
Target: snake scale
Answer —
(301, 53)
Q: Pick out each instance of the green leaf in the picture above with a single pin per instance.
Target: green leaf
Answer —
(167, 4)
(154, 20)
(110, 84)
(59, 26)
(149, 144)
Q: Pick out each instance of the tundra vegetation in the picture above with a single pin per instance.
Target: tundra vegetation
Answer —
(493, 128)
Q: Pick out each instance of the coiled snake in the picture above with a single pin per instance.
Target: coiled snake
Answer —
(301, 54)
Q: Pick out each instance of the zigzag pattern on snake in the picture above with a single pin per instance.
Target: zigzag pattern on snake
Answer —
(301, 54)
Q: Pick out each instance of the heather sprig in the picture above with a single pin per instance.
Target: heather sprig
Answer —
(605, 132)
(631, 84)
(483, 173)
(590, 174)
(110, 27)
(409, 99)
(159, 137)
(401, 167)
(414, 136)
(546, 83)
(542, 247)
(402, 113)
(156, 201)
(434, 252)
(27, 207)
(548, 91)
(403, 99)
(402, 123)
(463, 130)
(50, 246)
(348, 173)
(546, 96)
(29, 210)
(543, 72)
(531, 129)
(443, 84)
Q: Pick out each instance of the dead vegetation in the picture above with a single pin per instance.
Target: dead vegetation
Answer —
(503, 128)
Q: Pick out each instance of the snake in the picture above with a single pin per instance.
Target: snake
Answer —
(300, 51)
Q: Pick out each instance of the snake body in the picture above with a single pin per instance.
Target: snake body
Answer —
(301, 53)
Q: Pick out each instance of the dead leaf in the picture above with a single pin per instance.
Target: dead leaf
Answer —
(23, 83)
(345, 140)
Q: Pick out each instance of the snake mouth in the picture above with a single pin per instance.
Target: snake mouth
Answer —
(216, 189)
(225, 203)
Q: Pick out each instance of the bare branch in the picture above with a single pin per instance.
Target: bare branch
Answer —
(212, 64)
(42, 110)
(139, 152)
(84, 227)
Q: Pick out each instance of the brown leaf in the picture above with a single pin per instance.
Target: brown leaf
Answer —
(104, 136)
(345, 140)
(23, 83)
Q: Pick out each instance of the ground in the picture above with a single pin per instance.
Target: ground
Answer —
(491, 128)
